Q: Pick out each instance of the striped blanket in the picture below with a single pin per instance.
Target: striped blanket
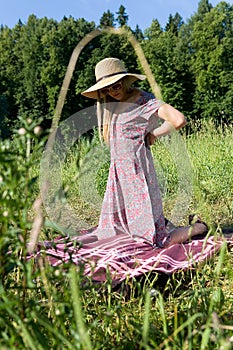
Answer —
(121, 257)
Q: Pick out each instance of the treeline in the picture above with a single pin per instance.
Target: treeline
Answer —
(192, 63)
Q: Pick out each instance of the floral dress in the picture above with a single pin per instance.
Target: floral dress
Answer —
(132, 202)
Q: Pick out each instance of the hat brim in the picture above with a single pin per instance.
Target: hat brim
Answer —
(92, 92)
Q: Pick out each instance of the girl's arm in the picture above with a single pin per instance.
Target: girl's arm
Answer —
(173, 119)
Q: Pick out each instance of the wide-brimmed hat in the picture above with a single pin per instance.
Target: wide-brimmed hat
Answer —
(107, 72)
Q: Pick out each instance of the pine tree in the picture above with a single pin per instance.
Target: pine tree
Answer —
(107, 20)
(122, 17)
(174, 23)
(138, 33)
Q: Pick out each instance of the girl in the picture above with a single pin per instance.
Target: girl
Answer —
(128, 122)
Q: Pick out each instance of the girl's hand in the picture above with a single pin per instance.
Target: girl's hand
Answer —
(150, 139)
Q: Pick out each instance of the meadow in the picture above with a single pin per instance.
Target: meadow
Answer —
(42, 307)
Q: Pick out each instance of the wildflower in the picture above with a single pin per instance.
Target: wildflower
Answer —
(37, 130)
(5, 213)
(57, 273)
(22, 131)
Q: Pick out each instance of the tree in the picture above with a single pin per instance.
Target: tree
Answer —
(122, 17)
(212, 63)
(31, 93)
(4, 131)
(9, 80)
(59, 43)
(138, 33)
(153, 31)
(204, 7)
(174, 23)
(33, 64)
(107, 20)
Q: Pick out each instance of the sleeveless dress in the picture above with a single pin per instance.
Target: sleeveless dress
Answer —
(132, 202)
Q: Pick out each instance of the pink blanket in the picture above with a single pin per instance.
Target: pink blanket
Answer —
(122, 257)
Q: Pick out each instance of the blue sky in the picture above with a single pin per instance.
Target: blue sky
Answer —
(140, 12)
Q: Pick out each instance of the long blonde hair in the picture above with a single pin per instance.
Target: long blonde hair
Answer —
(104, 115)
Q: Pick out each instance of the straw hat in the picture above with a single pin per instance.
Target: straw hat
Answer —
(107, 72)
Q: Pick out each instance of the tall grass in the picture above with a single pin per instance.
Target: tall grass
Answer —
(56, 308)
(210, 150)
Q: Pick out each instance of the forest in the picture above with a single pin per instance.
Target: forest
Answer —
(192, 63)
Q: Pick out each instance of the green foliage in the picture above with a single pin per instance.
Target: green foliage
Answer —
(211, 42)
(101, 178)
(17, 157)
(8, 77)
(4, 132)
(162, 52)
(107, 19)
(138, 34)
(153, 31)
(174, 23)
(34, 63)
(122, 17)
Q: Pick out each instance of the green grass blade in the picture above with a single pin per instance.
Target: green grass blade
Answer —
(162, 313)
(146, 324)
(75, 291)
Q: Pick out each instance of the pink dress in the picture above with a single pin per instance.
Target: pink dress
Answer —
(132, 202)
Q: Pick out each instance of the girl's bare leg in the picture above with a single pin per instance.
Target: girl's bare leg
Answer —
(182, 234)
